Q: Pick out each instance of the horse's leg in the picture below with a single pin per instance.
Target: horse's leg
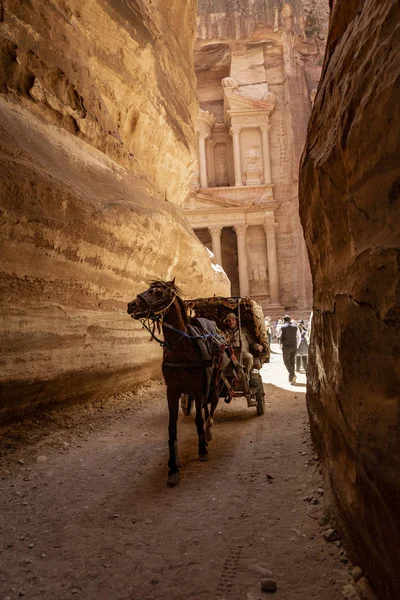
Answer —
(209, 424)
(173, 462)
(203, 454)
(210, 413)
(213, 406)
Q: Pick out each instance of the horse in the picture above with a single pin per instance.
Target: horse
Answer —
(184, 367)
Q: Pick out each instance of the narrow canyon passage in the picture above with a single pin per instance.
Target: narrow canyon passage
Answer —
(86, 512)
(237, 148)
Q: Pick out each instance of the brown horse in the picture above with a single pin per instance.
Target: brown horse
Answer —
(184, 367)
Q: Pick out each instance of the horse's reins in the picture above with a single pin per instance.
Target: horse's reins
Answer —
(156, 317)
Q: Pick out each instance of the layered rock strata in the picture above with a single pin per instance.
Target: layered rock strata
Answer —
(97, 109)
(350, 210)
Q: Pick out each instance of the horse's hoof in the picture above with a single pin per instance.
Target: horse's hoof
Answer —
(204, 457)
(173, 480)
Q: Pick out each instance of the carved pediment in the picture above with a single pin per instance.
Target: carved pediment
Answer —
(199, 202)
(191, 204)
(203, 201)
(235, 103)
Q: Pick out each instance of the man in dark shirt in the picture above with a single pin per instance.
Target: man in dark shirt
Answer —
(289, 335)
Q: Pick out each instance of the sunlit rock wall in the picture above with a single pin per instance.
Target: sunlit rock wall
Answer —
(97, 107)
(350, 210)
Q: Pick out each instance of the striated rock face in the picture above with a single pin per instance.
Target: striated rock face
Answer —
(97, 108)
(350, 210)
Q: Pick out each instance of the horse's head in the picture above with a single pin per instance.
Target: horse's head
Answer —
(153, 301)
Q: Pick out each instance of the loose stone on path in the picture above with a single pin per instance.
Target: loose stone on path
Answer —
(268, 585)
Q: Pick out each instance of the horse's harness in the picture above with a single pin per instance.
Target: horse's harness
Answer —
(155, 318)
(155, 315)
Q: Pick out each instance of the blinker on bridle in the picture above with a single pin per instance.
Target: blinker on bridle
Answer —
(155, 315)
(152, 308)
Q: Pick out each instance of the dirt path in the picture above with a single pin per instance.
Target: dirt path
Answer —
(86, 513)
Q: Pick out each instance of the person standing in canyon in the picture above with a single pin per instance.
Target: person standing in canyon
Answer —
(268, 327)
(290, 339)
(302, 349)
(278, 328)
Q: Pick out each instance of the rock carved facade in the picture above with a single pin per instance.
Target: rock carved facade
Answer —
(257, 64)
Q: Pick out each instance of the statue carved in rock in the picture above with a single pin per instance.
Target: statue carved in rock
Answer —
(276, 5)
(299, 59)
(313, 93)
(260, 274)
(314, 23)
(252, 156)
(287, 17)
(230, 84)
(221, 164)
(312, 27)
(195, 179)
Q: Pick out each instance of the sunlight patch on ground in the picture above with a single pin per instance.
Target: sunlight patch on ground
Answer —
(275, 373)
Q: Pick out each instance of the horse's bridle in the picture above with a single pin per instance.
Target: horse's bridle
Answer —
(153, 312)
(156, 316)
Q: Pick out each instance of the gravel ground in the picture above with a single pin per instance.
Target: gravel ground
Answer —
(86, 513)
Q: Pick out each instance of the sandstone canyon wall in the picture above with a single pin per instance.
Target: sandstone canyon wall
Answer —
(97, 110)
(350, 210)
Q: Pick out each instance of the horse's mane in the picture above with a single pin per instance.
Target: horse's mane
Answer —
(170, 284)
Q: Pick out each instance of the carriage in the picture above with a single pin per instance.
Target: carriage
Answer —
(197, 358)
(249, 315)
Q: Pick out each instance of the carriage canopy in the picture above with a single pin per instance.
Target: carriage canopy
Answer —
(251, 316)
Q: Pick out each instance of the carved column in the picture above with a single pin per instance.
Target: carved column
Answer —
(242, 259)
(210, 162)
(205, 123)
(237, 161)
(202, 160)
(266, 154)
(269, 227)
(216, 243)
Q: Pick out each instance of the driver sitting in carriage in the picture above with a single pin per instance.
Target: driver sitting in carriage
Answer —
(242, 342)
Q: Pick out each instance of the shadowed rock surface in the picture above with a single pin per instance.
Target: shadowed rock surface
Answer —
(349, 203)
(97, 102)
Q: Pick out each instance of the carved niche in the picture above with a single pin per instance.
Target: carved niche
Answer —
(259, 274)
(221, 164)
(253, 168)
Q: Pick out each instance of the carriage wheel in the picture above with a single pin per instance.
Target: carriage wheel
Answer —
(186, 404)
(257, 384)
